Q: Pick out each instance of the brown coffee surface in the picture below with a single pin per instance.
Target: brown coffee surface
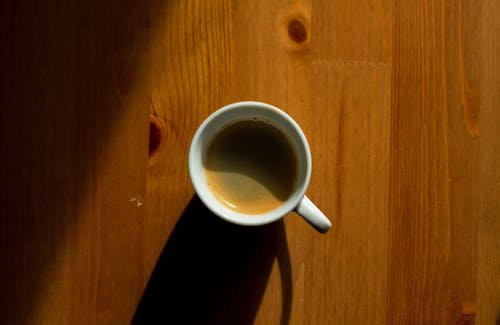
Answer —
(251, 167)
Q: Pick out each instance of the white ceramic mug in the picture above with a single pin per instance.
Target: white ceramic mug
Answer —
(297, 201)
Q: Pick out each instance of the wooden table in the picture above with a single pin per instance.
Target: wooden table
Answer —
(400, 101)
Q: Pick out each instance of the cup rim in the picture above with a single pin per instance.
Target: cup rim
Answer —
(237, 217)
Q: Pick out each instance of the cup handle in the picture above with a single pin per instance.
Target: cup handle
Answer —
(313, 215)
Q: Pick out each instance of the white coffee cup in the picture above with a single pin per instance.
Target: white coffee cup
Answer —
(297, 201)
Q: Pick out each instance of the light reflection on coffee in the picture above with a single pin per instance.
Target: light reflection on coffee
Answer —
(251, 167)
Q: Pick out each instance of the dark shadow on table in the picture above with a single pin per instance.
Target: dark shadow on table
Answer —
(214, 272)
(72, 73)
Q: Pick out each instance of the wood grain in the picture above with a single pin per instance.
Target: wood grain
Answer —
(399, 100)
(488, 242)
(74, 140)
(425, 137)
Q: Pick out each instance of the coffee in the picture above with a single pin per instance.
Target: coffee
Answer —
(251, 167)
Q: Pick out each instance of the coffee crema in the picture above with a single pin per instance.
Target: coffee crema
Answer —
(251, 167)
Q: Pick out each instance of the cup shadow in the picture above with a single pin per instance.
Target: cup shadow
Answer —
(214, 272)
